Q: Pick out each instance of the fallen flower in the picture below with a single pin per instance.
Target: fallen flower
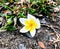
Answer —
(30, 24)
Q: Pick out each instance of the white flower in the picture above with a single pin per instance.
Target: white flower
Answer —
(30, 24)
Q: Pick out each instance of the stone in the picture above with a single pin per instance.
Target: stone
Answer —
(43, 21)
(21, 46)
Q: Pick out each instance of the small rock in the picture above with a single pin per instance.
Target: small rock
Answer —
(43, 21)
(6, 45)
(21, 46)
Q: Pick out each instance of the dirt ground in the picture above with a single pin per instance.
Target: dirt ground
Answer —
(50, 36)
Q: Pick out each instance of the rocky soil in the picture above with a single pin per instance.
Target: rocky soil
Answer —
(50, 36)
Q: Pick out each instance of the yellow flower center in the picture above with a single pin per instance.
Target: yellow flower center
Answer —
(30, 24)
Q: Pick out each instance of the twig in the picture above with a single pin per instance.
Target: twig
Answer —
(50, 26)
(57, 35)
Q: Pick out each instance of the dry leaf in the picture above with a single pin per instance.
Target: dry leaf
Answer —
(41, 44)
(7, 11)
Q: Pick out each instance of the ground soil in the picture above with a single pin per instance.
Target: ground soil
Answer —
(12, 40)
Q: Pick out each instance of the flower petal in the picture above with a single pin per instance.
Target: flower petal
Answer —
(22, 20)
(24, 30)
(31, 16)
(33, 33)
(38, 23)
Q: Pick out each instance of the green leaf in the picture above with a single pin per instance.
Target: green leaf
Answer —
(9, 16)
(16, 0)
(5, 6)
(31, 10)
(10, 28)
(21, 14)
(9, 21)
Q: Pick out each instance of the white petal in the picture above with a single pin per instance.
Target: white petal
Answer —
(38, 23)
(33, 33)
(23, 30)
(22, 20)
(31, 16)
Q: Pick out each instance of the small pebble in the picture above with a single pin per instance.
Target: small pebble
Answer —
(43, 21)
(21, 46)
